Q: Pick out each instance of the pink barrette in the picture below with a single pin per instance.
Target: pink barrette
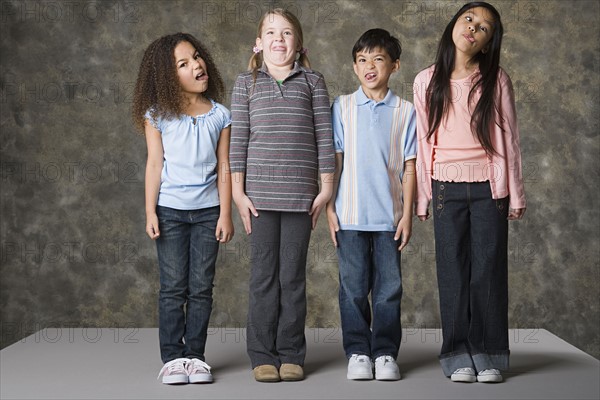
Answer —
(304, 51)
(256, 50)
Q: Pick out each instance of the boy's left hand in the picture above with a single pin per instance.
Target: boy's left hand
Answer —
(225, 230)
(515, 213)
(404, 231)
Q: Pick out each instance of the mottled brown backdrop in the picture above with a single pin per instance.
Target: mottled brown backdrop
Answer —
(73, 247)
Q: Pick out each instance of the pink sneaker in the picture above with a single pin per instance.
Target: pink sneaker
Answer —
(198, 371)
(174, 372)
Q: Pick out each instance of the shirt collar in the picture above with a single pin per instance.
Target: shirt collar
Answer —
(389, 100)
(295, 69)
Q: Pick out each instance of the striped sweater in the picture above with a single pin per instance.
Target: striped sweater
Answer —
(281, 137)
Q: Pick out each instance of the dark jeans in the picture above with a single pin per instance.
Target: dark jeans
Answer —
(187, 252)
(277, 294)
(471, 245)
(369, 262)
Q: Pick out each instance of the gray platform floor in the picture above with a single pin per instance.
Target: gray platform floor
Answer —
(109, 363)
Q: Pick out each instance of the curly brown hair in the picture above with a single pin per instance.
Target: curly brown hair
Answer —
(157, 87)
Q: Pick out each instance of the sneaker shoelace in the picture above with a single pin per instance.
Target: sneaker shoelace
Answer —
(387, 359)
(177, 366)
(196, 364)
(467, 371)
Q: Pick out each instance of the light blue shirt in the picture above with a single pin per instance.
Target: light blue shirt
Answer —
(369, 188)
(189, 174)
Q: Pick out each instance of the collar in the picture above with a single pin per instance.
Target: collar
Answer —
(295, 69)
(390, 99)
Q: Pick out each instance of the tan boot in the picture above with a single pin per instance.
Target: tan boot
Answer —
(291, 372)
(266, 373)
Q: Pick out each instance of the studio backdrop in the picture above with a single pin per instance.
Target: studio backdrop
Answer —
(73, 246)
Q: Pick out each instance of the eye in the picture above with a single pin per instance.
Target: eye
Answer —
(288, 33)
(182, 65)
(484, 29)
(468, 18)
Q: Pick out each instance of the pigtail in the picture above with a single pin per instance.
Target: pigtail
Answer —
(303, 60)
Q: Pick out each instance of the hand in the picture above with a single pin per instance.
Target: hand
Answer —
(317, 206)
(404, 231)
(152, 226)
(516, 213)
(424, 217)
(245, 207)
(224, 231)
(334, 225)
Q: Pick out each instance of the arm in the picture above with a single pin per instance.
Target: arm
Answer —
(238, 152)
(224, 231)
(332, 218)
(326, 155)
(513, 149)
(404, 230)
(424, 148)
(154, 166)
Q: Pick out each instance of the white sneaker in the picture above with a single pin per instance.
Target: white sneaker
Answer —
(463, 375)
(360, 367)
(386, 369)
(198, 371)
(174, 372)
(489, 376)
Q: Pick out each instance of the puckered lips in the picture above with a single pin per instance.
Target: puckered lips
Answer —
(469, 38)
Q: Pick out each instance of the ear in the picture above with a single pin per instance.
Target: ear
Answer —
(396, 66)
(355, 67)
(259, 43)
(485, 49)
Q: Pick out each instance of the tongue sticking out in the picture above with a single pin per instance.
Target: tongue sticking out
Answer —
(370, 76)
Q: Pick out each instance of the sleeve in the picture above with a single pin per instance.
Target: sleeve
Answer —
(240, 126)
(338, 126)
(226, 116)
(424, 147)
(323, 130)
(155, 122)
(410, 142)
(513, 147)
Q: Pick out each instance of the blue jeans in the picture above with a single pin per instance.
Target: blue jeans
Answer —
(187, 251)
(370, 262)
(471, 246)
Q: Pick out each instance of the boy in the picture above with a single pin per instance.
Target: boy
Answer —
(370, 214)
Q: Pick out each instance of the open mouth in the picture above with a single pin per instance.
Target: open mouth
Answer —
(201, 76)
(370, 76)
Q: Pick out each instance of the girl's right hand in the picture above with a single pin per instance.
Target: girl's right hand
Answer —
(152, 226)
(424, 217)
(334, 225)
(245, 207)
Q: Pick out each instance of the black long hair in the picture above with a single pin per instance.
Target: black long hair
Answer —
(438, 92)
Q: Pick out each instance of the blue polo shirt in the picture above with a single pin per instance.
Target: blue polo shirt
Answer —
(189, 175)
(368, 198)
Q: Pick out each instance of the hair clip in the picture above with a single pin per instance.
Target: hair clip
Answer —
(304, 51)
(256, 50)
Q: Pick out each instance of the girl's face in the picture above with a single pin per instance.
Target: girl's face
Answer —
(473, 31)
(191, 69)
(277, 42)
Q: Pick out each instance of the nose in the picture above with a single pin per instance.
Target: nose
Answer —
(472, 29)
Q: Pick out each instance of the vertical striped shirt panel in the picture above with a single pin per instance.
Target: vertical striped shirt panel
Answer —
(281, 138)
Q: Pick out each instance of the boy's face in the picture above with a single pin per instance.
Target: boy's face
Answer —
(374, 68)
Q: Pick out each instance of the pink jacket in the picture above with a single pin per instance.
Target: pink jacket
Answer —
(506, 176)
